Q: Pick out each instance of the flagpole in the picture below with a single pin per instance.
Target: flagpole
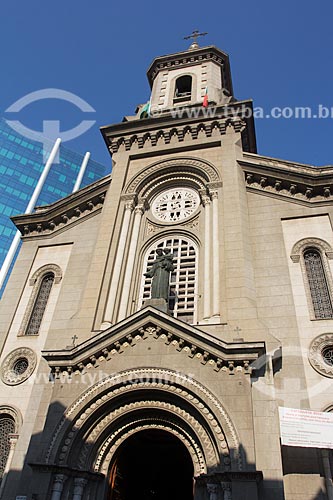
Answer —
(81, 172)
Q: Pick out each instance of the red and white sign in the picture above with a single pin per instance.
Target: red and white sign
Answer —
(306, 428)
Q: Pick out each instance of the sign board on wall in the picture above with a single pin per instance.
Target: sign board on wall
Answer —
(306, 428)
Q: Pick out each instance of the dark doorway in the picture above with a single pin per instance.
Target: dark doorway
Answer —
(151, 465)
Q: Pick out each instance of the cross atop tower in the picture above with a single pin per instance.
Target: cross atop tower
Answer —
(195, 35)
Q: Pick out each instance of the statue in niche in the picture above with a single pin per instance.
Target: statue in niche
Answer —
(160, 274)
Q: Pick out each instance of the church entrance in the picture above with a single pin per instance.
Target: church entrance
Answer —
(151, 465)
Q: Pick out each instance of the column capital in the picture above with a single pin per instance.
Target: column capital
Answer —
(60, 479)
(129, 200)
(213, 194)
(212, 489)
(80, 481)
(13, 440)
(139, 209)
(205, 199)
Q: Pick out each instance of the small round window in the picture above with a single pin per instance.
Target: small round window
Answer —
(20, 366)
(327, 354)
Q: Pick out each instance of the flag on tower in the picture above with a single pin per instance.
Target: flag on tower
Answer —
(205, 99)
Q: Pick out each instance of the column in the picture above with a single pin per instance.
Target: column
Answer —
(79, 485)
(12, 443)
(206, 284)
(58, 486)
(129, 205)
(327, 473)
(226, 488)
(216, 255)
(212, 491)
(138, 212)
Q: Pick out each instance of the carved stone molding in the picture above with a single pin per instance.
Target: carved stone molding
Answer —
(67, 211)
(178, 386)
(316, 354)
(307, 185)
(152, 228)
(318, 243)
(14, 413)
(63, 362)
(175, 133)
(201, 172)
(10, 371)
(48, 268)
(139, 422)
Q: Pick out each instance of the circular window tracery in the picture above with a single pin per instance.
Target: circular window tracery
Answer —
(321, 354)
(327, 354)
(18, 366)
(174, 205)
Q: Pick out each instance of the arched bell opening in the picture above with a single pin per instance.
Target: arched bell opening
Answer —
(151, 464)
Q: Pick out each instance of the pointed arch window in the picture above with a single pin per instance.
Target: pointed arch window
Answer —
(317, 280)
(183, 89)
(183, 280)
(40, 304)
(7, 427)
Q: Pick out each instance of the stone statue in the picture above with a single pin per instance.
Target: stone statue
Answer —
(160, 272)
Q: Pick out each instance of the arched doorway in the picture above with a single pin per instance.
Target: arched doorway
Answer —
(151, 465)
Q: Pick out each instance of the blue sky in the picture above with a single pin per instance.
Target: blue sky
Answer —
(281, 55)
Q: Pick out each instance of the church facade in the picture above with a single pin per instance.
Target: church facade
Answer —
(111, 391)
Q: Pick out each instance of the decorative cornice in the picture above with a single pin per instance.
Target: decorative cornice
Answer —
(182, 128)
(149, 323)
(52, 218)
(293, 181)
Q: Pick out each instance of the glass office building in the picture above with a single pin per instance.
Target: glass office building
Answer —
(21, 164)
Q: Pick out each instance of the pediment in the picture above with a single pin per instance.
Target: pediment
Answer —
(149, 323)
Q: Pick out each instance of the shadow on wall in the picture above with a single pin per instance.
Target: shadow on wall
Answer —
(40, 480)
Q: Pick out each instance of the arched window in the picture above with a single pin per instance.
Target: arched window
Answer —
(319, 290)
(7, 427)
(183, 89)
(40, 303)
(183, 282)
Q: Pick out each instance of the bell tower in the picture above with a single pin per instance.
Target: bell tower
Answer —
(169, 169)
(184, 78)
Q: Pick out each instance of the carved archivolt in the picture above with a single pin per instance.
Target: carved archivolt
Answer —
(14, 413)
(48, 268)
(136, 422)
(317, 350)
(108, 450)
(318, 243)
(179, 387)
(200, 172)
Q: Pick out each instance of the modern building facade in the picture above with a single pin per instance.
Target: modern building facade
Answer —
(110, 392)
(21, 164)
